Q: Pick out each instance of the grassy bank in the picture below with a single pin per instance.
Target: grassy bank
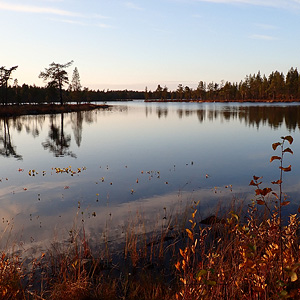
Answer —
(240, 254)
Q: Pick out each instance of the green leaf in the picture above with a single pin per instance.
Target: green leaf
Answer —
(211, 282)
(201, 273)
(283, 293)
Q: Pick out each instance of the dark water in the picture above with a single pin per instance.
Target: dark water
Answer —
(136, 160)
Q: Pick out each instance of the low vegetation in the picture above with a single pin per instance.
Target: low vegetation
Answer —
(240, 255)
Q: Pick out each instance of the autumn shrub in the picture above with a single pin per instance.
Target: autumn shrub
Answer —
(10, 277)
(254, 259)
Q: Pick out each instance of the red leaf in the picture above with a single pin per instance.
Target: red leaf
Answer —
(256, 178)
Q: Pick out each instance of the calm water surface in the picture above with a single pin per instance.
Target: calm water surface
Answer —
(107, 168)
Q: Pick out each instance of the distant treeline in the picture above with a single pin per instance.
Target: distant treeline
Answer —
(38, 95)
(254, 88)
(275, 87)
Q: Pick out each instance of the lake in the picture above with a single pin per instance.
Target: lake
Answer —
(136, 163)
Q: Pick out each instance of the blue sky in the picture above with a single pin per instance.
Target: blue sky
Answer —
(119, 44)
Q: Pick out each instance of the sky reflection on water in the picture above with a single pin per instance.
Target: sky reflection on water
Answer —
(135, 156)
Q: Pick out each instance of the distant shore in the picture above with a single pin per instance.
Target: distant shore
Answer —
(38, 109)
(228, 101)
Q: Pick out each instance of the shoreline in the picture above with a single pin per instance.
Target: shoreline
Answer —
(40, 109)
(226, 101)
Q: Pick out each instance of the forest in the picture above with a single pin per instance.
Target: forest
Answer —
(256, 87)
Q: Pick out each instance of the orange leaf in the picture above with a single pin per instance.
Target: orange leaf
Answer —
(275, 157)
(266, 191)
(288, 150)
(285, 203)
(275, 145)
(277, 182)
(258, 191)
(289, 139)
(288, 169)
(256, 178)
(260, 202)
(190, 234)
(252, 183)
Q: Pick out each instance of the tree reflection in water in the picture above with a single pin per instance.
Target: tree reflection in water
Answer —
(57, 142)
(7, 148)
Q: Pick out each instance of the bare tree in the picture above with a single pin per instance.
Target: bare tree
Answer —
(57, 76)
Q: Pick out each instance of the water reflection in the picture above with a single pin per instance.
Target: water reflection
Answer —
(7, 148)
(273, 116)
(133, 163)
(58, 142)
(77, 121)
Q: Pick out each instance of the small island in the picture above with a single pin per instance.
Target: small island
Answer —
(37, 109)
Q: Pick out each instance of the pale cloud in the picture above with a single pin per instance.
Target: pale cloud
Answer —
(263, 37)
(265, 26)
(80, 23)
(72, 17)
(104, 25)
(132, 5)
(36, 9)
(269, 3)
(68, 21)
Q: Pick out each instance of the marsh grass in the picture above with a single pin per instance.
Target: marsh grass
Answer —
(236, 254)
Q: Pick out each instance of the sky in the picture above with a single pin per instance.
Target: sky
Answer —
(120, 44)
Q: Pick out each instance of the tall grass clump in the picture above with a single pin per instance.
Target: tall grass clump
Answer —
(254, 259)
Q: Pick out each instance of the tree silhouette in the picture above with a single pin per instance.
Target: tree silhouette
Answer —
(57, 76)
(75, 86)
(4, 78)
